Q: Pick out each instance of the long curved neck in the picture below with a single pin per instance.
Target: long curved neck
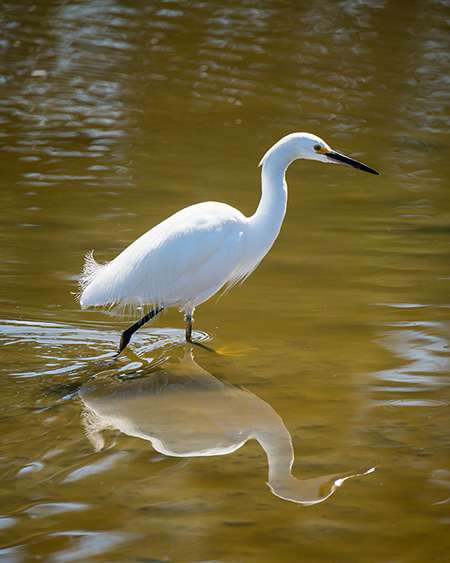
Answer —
(267, 220)
(273, 183)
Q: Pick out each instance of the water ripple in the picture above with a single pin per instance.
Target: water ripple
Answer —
(424, 362)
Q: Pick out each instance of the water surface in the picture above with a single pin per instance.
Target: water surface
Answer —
(116, 114)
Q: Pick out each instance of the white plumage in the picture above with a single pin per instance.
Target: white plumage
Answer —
(190, 256)
(177, 263)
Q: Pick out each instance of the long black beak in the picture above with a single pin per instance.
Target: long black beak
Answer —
(350, 162)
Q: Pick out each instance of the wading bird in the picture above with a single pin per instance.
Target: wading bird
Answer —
(187, 258)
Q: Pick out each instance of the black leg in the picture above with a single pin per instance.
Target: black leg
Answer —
(189, 322)
(188, 327)
(127, 334)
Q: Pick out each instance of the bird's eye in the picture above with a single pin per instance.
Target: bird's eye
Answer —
(320, 150)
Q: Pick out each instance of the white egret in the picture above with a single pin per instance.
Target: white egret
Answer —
(187, 258)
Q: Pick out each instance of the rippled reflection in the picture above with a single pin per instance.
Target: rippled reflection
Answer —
(184, 411)
(422, 353)
(66, 95)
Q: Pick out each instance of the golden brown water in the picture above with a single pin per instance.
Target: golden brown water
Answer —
(115, 115)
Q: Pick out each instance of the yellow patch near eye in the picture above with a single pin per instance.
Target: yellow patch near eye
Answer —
(320, 150)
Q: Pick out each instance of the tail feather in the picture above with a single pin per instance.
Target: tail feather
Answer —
(90, 269)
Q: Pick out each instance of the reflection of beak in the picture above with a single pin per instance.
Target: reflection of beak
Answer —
(335, 156)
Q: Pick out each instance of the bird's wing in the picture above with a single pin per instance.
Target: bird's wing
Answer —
(182, 261)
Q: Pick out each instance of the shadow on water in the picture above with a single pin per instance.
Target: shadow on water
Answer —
(184, 411)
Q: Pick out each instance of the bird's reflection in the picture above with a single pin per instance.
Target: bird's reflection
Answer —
(184, 411)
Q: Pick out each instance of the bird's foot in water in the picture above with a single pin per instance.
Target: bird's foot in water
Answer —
(225, 350)
(235, 352)
(124, 340)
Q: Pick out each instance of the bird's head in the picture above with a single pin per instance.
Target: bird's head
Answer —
(311, 147)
